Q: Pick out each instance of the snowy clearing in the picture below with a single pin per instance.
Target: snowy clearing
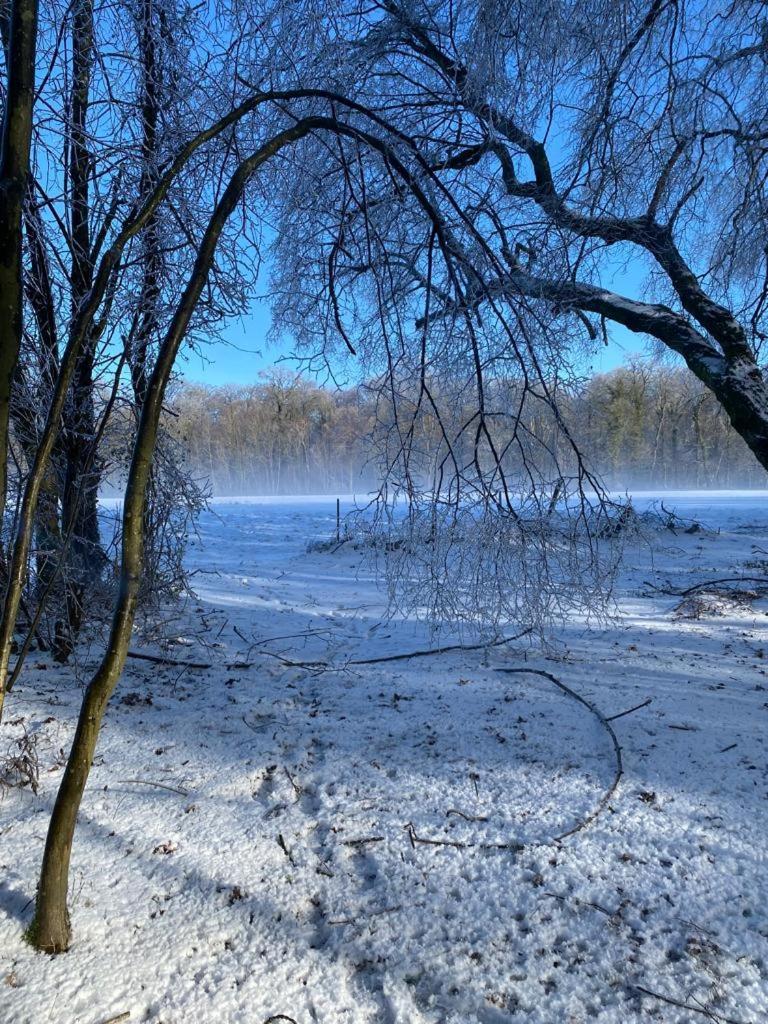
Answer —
(253, 840)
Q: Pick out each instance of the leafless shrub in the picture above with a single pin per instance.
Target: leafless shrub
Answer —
(717, 601)
(21, 765)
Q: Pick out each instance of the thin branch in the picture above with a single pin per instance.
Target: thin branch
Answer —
(605, 722)
(707, 585)
(157, 785)
(159, 659)
(704, 1011)
(621, 714)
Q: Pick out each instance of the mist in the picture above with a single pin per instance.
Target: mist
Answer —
(642, 426)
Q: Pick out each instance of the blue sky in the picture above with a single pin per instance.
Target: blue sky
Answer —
(240, 357)
(245, 353)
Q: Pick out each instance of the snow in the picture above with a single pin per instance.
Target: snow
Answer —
(248, 843)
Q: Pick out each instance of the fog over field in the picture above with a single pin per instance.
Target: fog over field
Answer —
(642, 425)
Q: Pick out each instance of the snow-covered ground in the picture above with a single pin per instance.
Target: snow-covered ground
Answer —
(252, 839)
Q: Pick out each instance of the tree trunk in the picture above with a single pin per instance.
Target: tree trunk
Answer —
(19, 31)
(742, 391)
(50, 928)
(81, 483)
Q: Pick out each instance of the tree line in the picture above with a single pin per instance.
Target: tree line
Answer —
(642, 424)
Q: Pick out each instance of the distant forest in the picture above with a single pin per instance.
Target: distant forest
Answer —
(644, 424)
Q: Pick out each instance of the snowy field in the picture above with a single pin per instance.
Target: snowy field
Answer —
(378, 843)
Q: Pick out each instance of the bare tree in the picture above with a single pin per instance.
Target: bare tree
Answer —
(585, 138)
(93, 195)
(50, 928)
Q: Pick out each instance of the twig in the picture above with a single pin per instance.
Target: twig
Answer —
(414, 838)
(466, 817)
(621, 714)
(362, 841)
(619, 769)
(456, 844)
(121, 1016)
(244, 639)
(611, 914)
(385, 910)
(284, 848)
(712, 1014)
(296, 787)
(368, 913)
(159, 785)
(284, 636)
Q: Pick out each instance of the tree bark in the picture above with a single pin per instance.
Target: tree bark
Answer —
(81, 483)
(20, 29)
(50, 928)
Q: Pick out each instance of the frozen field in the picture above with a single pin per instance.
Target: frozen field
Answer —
(377, 843)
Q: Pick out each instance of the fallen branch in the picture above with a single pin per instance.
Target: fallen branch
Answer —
(441, 650)
(706, 584)
(425, 653)
(234, 665)
(466, 817)
(160, 659)
(621, 714)
(517, 847)
(619, 769)
(305, 634)
(712, 1014)
(362, 841)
